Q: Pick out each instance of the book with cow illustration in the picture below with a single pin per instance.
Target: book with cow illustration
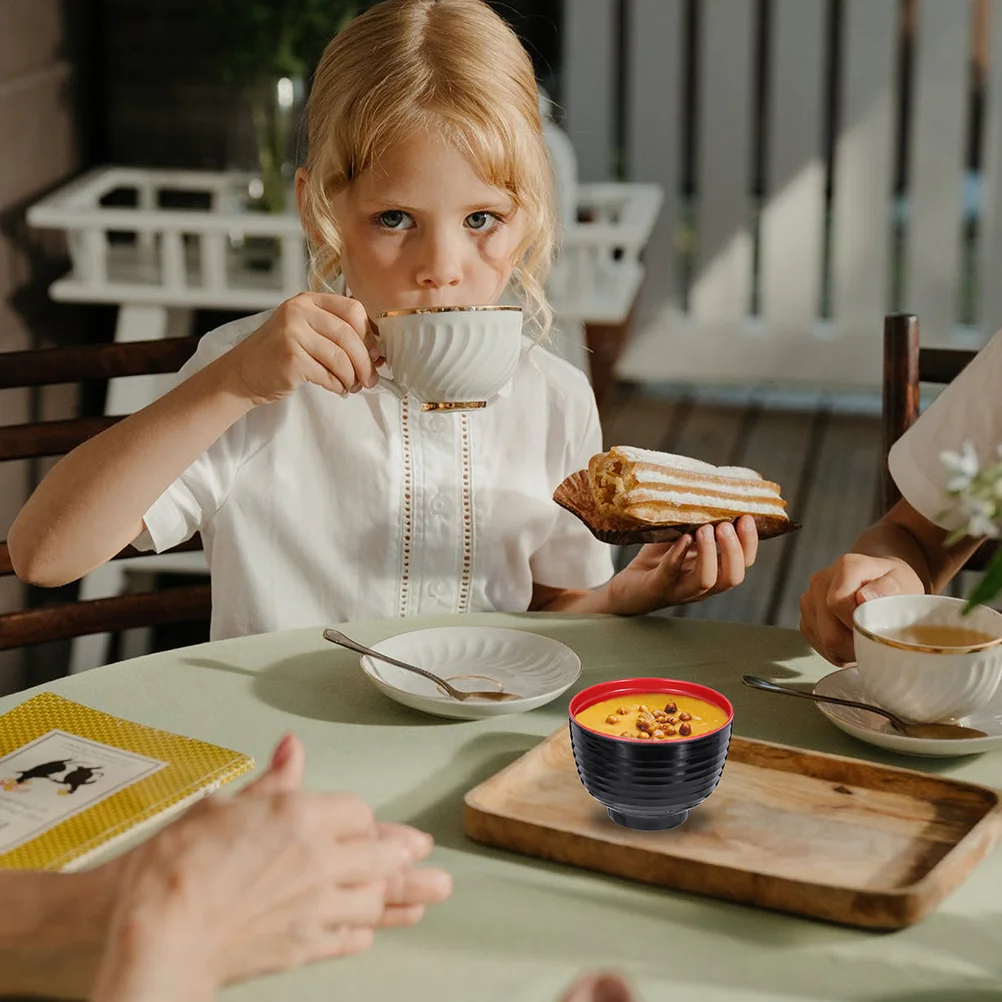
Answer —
(74, 779)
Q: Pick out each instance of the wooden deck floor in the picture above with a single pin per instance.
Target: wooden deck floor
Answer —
(824, 452)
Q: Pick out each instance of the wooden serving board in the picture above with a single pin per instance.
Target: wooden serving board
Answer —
(820, 835)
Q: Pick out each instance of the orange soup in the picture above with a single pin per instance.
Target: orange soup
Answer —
(652, 716)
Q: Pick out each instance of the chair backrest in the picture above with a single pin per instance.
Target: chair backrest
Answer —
(906, 366)
(49, 366)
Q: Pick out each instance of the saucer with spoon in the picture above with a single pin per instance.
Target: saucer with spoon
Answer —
(467, 672)
(850, 712)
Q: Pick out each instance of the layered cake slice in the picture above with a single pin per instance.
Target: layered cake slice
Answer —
(658, 488)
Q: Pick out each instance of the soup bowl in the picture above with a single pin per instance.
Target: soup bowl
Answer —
(651, 783)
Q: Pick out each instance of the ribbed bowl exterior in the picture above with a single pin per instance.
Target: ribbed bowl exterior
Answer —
(451, 357)
(652, 784)
(649, 778)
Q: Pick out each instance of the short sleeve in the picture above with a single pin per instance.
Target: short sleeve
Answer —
(191, 501)
(572, 557)
(968, 410)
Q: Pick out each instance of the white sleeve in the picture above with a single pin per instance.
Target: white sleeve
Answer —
(572, 557)
(968, 410)
(190, 502)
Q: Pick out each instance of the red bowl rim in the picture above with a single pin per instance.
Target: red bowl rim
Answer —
(669, 686)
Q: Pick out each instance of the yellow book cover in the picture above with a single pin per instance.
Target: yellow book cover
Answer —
(73, 780)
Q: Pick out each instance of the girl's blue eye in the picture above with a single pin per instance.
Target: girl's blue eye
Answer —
(482, 221)
(393, 219)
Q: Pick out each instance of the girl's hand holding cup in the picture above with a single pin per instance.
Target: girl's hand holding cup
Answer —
(315, 337)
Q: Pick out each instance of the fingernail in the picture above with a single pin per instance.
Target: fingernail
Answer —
(282, 751)
(420, 845)
(866, 594)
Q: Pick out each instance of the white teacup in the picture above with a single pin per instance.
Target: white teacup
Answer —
(450, 357)
(913, 662)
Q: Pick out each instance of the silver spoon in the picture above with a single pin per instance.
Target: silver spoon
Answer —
(336, 637)
(938, 731)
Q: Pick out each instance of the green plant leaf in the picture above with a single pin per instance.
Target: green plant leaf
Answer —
(265, 39)
(988, 587)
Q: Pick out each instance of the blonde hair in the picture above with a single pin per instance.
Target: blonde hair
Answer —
(454, 68)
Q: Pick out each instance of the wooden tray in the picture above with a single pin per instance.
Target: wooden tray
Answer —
(820, 835)
(575, 495)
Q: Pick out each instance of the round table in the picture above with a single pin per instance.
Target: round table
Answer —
(518, 928)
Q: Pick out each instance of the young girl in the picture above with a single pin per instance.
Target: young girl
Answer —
(320, 497)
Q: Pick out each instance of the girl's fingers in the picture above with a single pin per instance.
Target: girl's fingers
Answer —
(321, 374)
(704, 571)
(351, 311)
(748, 535)
(339, 332)
(330, 367)
(732, 558)
(672, 564)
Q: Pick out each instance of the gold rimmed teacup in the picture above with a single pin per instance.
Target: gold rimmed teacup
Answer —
(906, 645)
(451, 358)
(926, 682)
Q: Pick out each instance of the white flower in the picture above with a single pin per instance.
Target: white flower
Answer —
(980, 525)
(979, 513)
(963, 465)
(975, 495)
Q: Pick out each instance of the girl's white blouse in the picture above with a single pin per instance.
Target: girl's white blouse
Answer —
(320, 509)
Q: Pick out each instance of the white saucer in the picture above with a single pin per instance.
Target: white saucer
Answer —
(535, 667)
(877, 730)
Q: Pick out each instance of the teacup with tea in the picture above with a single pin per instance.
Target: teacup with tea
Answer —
(921, 657)
(450, 357)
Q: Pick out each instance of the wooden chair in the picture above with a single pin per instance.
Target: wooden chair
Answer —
(182, 604)
(906, 366)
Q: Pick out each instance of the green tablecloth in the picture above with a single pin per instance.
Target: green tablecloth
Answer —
(518, 928)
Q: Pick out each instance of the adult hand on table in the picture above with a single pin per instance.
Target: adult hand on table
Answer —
(270, 879)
